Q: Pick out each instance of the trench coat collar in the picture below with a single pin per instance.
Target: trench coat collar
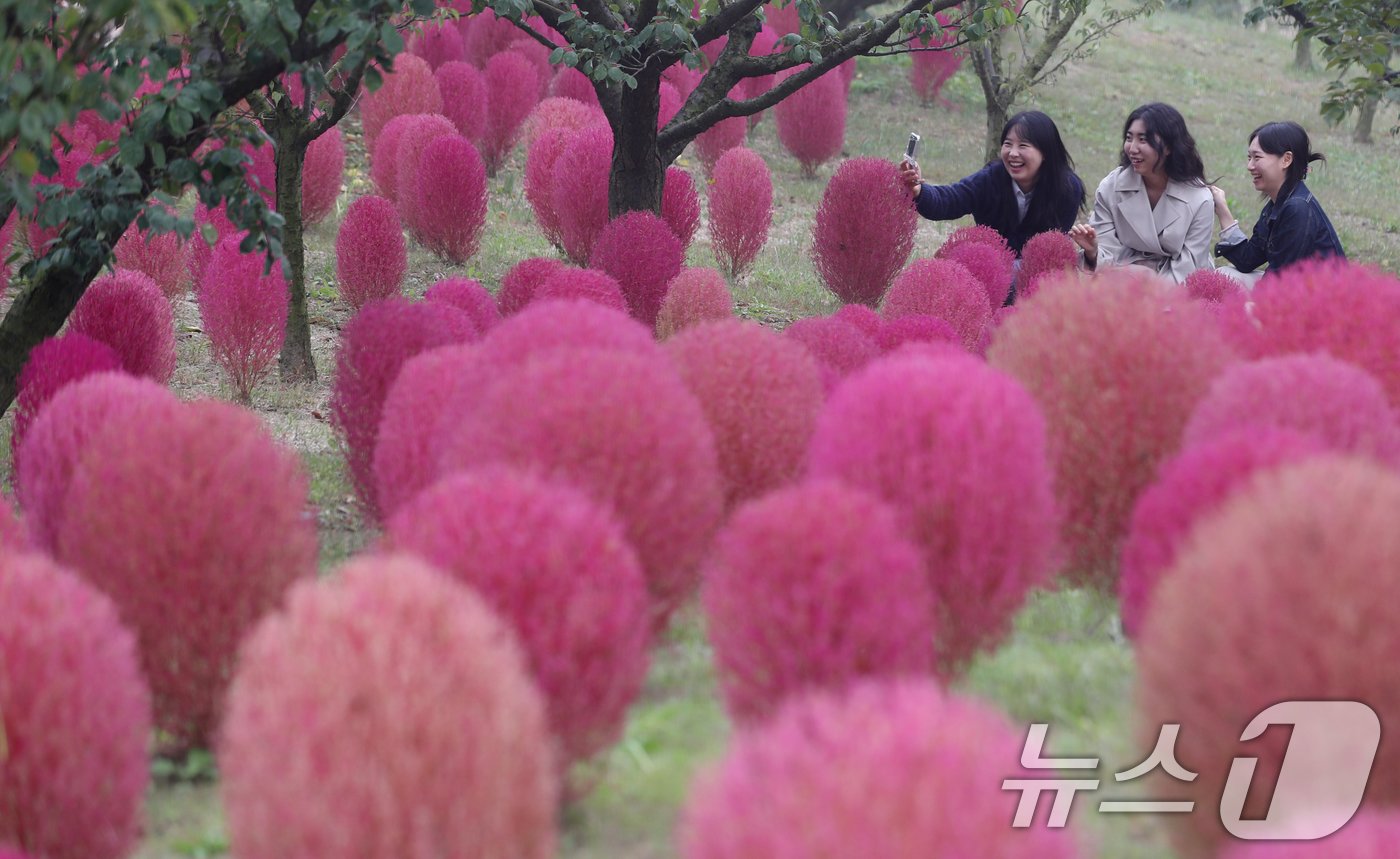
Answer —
(1140, 218)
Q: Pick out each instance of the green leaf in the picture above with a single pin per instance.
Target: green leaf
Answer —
(25, 162)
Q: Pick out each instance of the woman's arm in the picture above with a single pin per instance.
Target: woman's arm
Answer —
(1195, 249)
(945, 202)
(1244, 254)
(1104, 229)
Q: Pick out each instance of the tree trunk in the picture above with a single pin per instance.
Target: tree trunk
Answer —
(1302, 52)
(997, 114)
(1364, 119)
(998, 100)
(295, 363)
(637, 175)
(38, 312)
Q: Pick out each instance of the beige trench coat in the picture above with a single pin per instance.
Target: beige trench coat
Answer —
(1173, 239)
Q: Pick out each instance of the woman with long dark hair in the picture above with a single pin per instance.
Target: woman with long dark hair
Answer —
(1292, 226)
(1156, 210)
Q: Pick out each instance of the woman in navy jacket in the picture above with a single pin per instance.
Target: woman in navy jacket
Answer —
(1292, 226)
(1032, 188)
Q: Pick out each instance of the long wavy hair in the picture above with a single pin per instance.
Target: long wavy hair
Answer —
(1169, 138)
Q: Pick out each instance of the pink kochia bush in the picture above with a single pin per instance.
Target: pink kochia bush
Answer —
(463, 98)
(812, 122)
(1371, 834)
(159, 516)
(438, 44)
(719, 139)
(680, 205)
(322, 173)
(640, 250)
(519, 284)
(55, 363)
(450, 199)
(623, 428)
(417, 134)
(244, 312)
(409, 88)
(573, 591)
(540, 157)
(1281, 595)
(761, 394)
(128, 312)
(930, 70)
(1117, 363)
(991, 265)
(468, 296)
(1337, 403)
(386, 712)
(695, 295)
(1208, 284)
(584, 283)
(384, 159)
(840, 348)
(512, 90)
(1044, 254)
(895, 766)
(371, 258)
(580, 190)
(864, 230)
(813, 587)
(947, 290)
(562, 114)
(741, 208)
(374, 345)
(77, 716)
(975, 234)
(164, 257)
(1191, 488)
(949, 442)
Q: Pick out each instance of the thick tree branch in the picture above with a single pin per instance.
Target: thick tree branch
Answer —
(723, 21)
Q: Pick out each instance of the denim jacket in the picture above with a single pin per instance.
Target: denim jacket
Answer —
(1289, 230)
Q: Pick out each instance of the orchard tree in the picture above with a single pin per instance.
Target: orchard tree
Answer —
(623, 46)
(162, 77)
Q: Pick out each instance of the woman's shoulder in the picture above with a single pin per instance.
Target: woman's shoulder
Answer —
(1111, 181)
(1191, 193)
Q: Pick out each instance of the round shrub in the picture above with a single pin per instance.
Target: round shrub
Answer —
(573, 592)
(760, 393)
(670, 104)
(643, 254)
(574, 84)
(540, 158)
(864, 230)
(468, 296)
(930, 70)
(374, 345)
(463, 98)
(978, 234)
(862, 317)
(839, 348)
(895, 766)
(741, 208)
(417, 134)
(719, 139)
(519, 284)
(244, 312)
(918, 328)
(1190, 489)
(693, 296)
(1044, 253)
(991, 265)
(538, 57)
(200, 250)
(53, 364)
(1208, 284)
(384, 158)
(947, 441)
(562, 114)
(565, 324)
(158, 516)
(680, 205)
(945, 289)
(322, 172)
(437, 44)
(812, 123)
(409, 88)
(813, 587)
(1117, 363)
(582, 283)
(77, 717)
(1337, 403)
(1371, 834)
(129, 313)
(410, 728)
(580, 190)
(512, 89)
(487, 36)
(450, 199)
(1278, 593)
(164, 257)
(623, 428)
(371, 258)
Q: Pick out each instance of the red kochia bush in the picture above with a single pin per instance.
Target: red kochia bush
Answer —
(574, 84)
(1117, 363)
(916, 328)
(973, 234)
(244, 313)
(1337, 403)
(680, 205)
(512, 89)
(1044, 253)
(463, 98)
(693, 296)
(557, 112)
(538, 57)
(894, 766)
(567, 324)
(1190, 489)
(371, 258)
(760, 393)
(450, 199)
(53, 364)
(163, 257)
(930, 70)
(468, 296)
(812, 122)
(640, 250)
(947, 441)
(623, 428)
(840, 348)
(573, 592)
(384, 159)
(583, 283)
(1371, 834)
(540, 158)
(991, 265)
(945, 289)
(1208, 284)
(519, 284)
(719, 139)
(77, 716)
(374, 345)
(437, 44)
(488, 35)
(128, 312)
(199, 250)
(159, 516)
(1278, 595)
(322, 173)
(417, 134)
(741, 208)
(409, 88)
(864, 230)
(580, 190)
(386, 712)
(813, 587)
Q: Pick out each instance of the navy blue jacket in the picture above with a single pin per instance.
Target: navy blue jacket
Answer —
(1288, 231)
(988, 197)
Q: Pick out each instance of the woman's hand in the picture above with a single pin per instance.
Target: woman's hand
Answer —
(909, 174)
(1088, 239)
(1222, 209)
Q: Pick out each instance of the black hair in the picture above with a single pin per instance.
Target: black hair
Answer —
(1166, 132)
(1056, 179)
(1277, 138)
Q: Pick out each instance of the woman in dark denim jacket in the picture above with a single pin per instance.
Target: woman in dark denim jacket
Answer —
(1292, 226)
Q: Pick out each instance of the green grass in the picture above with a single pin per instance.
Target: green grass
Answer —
(1066, 662)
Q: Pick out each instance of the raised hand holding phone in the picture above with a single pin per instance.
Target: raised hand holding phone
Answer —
(908, 167)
